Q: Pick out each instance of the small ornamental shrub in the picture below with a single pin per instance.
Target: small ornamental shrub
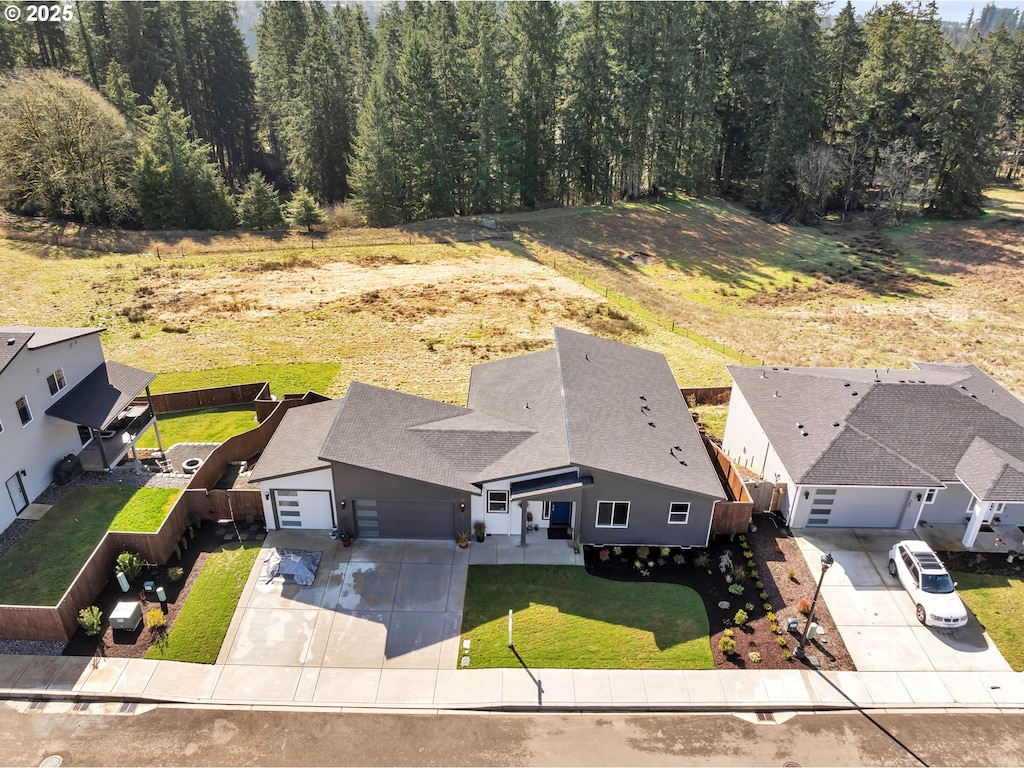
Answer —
(781, 642)
(803, 606)
(791, 575)
(770, 616)
(748, 554)
(666, 551)
(749, 607)
(730, 633)
(725, 562)
(767, 606)
(604, 554)
(703, 560)
(130, 564)
(740, 618)
(754, 574)
(678, 559)
(742, 540)
(155, 620)
(727, 646)
(90, 620)
(759, 584)
(764, 594)
(643, 552)
(751, 564)
(736, 589)
(616, 551)
(638, 565)
(754, 656)
(738, 573)
(787, 654)
(775, 627)
(650, 563)
(176, 573)
(662, 561)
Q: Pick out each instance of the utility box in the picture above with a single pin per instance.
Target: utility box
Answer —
(792, 624)
(126, 615)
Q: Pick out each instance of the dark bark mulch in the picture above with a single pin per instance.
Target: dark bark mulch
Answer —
(984, 563)
(776, 556)
(124, 644)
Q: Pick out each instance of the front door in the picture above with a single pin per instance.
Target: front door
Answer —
(561, 512)
(17, 492)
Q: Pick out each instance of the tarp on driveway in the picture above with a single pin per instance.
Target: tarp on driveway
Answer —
(295, 565)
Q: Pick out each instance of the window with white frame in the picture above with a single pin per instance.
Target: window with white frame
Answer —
(24, 412)
(679, 513)
(1, 426)
(929, 496)
(497, 502)
(612, 514)
(55, 381)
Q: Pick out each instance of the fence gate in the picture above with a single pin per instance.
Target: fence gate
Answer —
(767, 496)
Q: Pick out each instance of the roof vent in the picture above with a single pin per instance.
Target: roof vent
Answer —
(963, 387)
(683, 462)
(650, 423)
(764, 374)
(846, 383)
(774, 368)
(587, 357)
(799, 425)
(527, 406)
(643, 398)
(854, 393)
(677, 448)
(785, 368)
(804, 433)
(10, 342)
(835, 423)
(645, 409)
(776, 393)
(974, 396)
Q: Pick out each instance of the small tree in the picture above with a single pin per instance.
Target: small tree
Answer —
(259, 206)
(89, 619)
(130, 564)
(304, 211)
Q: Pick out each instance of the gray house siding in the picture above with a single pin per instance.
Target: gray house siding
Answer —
(357, 483)
(648, 513)
(950, 505)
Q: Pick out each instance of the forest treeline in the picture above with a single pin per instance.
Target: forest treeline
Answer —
(154, 114)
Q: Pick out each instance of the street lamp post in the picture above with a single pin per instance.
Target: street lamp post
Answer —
(826, 563)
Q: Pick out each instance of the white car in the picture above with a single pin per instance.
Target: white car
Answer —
(925, 578)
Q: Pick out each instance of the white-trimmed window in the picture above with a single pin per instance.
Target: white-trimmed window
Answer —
(612, 514)
(929, 496)
(56, 382)
(545, 513)
(679, 513)
(1, 426)
(24, 412)
(497, 502)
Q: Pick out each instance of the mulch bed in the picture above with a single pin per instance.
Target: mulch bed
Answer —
(776, 555)
(983, 563)
(124, 644)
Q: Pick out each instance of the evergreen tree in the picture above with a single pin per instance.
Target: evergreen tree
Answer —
(177, 186)
(259, 205)
(280, 37)
(304, 211)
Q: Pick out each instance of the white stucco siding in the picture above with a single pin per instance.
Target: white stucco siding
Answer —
(36, 447)
(853, 507)
(746, 443)
(314, 480)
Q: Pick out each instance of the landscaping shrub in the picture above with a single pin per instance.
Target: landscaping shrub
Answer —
(90, 620)
(754, 656)
(130, 564)
(803, 606)
(155, 619)
(740, 618)
(736, 589)
(727, 646)
(176, 573)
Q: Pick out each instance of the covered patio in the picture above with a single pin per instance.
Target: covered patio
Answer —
(105, 408)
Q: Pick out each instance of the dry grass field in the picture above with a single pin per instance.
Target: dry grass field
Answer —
(414, 307)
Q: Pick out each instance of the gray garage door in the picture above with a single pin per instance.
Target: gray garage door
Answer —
(857, 507)
(405, 519)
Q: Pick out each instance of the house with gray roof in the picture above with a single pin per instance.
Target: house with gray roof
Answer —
(591, 435)
(940, 443)
(58, 396)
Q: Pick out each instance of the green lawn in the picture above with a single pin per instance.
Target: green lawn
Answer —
(209, 425)
(998, 603)
(42, 565)
(565, 618)
(284, 378)
(199, 629)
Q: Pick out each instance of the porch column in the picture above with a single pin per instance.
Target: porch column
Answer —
(99, 444)
(974, 524)
(523, 504)
(156, 424)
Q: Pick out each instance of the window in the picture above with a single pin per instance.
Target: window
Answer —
(23, 410)
(612, 514)
(56, 381)
(546, 512)
(679, 512)
(1, 426)
(929, 496)
(497, 502)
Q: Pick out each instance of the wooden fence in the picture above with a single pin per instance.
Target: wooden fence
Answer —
(767, 496)
(706, 395)
(59, 623)
(732, 516)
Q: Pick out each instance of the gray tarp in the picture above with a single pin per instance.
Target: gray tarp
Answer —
(299, 566)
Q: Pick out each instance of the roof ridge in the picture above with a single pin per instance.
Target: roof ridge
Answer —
(888, 450)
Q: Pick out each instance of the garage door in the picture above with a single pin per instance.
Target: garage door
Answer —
(405, 519)
(304, 509)
(857, 507)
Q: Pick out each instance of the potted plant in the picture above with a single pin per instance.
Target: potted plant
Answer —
(463, 539)
(346, 539)
(480, 530)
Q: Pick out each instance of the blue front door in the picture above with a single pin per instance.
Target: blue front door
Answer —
(561, 512)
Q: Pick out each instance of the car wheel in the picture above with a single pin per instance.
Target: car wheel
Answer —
(892, 568)
(920, 614)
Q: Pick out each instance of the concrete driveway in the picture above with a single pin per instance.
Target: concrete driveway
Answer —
(385, 604)
(875, 615)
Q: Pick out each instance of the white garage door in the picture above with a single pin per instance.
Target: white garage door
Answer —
(304, 509)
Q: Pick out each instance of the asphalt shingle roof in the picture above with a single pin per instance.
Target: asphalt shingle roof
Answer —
(44, 336)
(888, 428)
(991, 474)
(97, 400)
(295, 446)
(10, 345)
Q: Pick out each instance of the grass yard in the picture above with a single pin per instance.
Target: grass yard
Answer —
(283, 378)
(565, 618)
(42, 565)
(199, 629)
(209, 425)
(998, 603)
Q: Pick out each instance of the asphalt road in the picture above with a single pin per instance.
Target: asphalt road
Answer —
(189, 737)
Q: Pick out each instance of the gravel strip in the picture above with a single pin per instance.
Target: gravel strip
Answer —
(124, 475)
(32, 647)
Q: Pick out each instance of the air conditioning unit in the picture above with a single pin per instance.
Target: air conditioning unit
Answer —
(126, 615)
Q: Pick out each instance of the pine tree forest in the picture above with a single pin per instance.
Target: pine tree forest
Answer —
(159, 114)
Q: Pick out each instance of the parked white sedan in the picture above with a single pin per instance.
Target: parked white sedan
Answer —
(930, 586)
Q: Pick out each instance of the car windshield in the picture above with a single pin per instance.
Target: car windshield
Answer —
(936, 583)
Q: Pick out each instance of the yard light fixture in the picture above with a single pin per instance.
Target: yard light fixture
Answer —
(826, 563)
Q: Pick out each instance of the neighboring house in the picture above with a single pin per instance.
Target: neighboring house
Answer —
(941, 443)
(57, 397)
(592, 434)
